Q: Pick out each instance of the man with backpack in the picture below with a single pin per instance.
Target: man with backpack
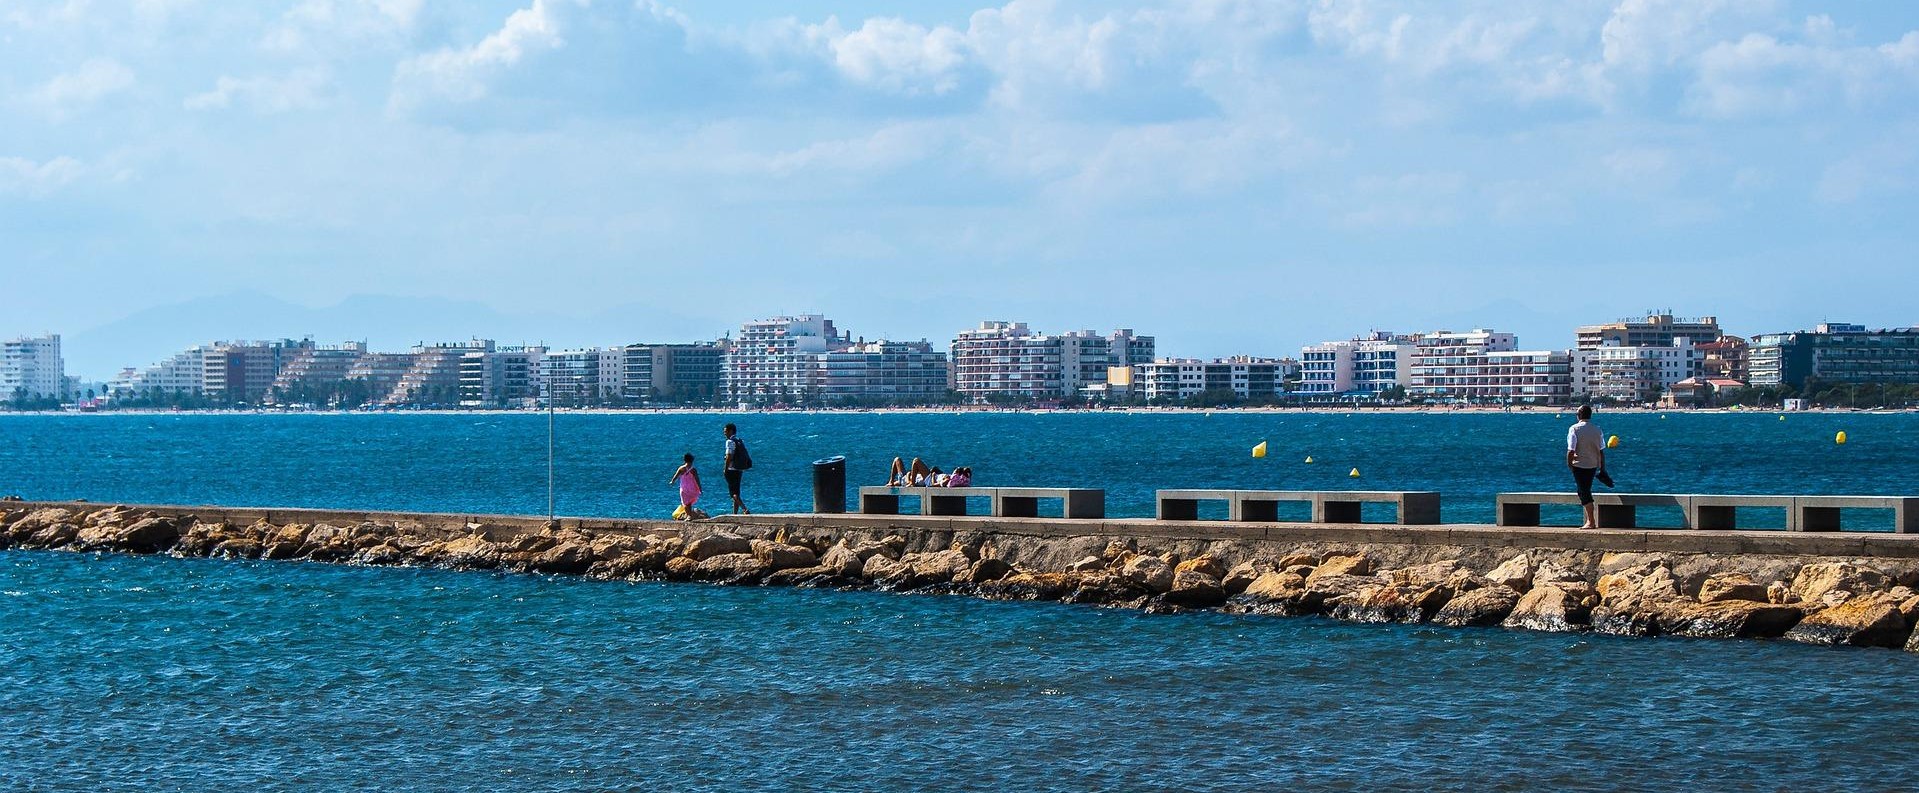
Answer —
(738, 461)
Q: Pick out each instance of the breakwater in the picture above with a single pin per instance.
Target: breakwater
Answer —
(1819, 589)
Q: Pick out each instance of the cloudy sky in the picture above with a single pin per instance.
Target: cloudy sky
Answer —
(1234, 177)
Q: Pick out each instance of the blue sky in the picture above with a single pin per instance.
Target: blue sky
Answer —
(1234, 177)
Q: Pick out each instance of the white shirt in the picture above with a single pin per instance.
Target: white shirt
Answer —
(1586, 444)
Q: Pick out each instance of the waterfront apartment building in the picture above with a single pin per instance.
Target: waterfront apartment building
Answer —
(1835, 353)
(432, 375)
(1363, 366)
(1486, 366)
(1653, 330)
(31, 367)
(1633, 374)
(1728, 358)
(672, 373)
(241, 372)
(1243, 377)
(778, 359)
(1008, 360)
(314, 374)
(181, 374)
(503, 377)
(593, 377)
(891, 372)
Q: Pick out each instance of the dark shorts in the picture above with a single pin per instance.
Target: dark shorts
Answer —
(1582, 477)
(733, 483)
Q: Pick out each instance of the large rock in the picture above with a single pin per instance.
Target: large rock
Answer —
(1149, 572)
(609, 547)
(1388, 602)
(1555, 606)
(1275, 586)
(1031, 586)
(1863, 621)
(1725, 619)
(1815, 582)
(842, 560)
(781, 556)
(1243, 574)
(1634, 602)
(1515, 573)
(471, 551)
(731, 568)
(566, 558)
(1721, 587)
(713, 545)
(1484, 606)
(989, 569)
(941, 567)
(1103, 589)
(1193, 588)
(879, 568)
(1340, 566)
(1211, 566)
(33, 522)
(680, 568)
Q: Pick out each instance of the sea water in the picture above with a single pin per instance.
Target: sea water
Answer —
(619, 464)
(151, 673)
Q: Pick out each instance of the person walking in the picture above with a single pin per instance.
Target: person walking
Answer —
(1586, 456)
(738, 461)
(688, 479)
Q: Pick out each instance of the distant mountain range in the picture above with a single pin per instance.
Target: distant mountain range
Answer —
(385, 322)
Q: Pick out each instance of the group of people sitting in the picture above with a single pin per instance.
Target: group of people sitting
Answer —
(919, 474)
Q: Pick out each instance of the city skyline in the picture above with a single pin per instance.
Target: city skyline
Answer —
(553, 169)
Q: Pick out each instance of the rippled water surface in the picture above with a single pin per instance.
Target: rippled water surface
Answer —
(130, 673)
(618, 464)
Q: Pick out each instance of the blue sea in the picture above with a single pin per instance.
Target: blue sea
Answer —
(152, 674)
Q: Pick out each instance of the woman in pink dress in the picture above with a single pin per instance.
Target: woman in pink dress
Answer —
(688, 478)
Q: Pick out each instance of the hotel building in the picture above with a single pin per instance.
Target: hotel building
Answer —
(1246, 378)
(672, 373)
(778, 359)
(241, 372)
(1653, 330)
(503, 377)
(31, 366)
(1009, 360)
(1364, 366)
(896, 372)
(1633, 374)
(1836, 353)
(1486, 366)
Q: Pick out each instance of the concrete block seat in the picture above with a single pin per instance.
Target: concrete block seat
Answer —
(1412, 507)
(1616, 510)
(1721, 512)
(1008, 502)
(1821, 513)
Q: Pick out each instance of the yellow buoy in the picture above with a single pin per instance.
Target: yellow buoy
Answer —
(1840, 438)
(1782, 418)
(1612, 442)
(1309, 460)
(1353, 473)
(1260, 449)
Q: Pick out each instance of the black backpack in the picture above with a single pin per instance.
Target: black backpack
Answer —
(741, 460)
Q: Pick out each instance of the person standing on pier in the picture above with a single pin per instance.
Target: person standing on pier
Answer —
(737, 462)
(1586, 456)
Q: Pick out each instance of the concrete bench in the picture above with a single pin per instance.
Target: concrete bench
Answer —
(1821, 513)
(1721, 512)
(1007, 502)
(933, 500)
(1616, 510)
(1336, 506)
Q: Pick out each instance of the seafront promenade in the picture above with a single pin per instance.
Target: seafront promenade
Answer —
(1851, 588)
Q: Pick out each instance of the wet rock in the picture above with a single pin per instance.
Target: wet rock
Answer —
(379, 555)
(1634, 602)
(1721, 587)
(1863, 621)
(33, 522)
(1193, 588)
(1725, 619)
(1389, 602)
(1149, 572)
(878, 568)
(1341, 565)
(1515, 573)
(891, 550)
(731, 568)
(796, 576)
(1210, 566)
(1031, 586)
(1480, 607)
(1105, 589)
(1815, 582)
(942, 567)
(1554, 606)
(1243, 574)
(713, 545)
(241, 547)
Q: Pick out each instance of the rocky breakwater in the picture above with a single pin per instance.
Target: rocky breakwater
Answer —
(1816, 600)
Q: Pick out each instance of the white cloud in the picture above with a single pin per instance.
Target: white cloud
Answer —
(21, 175)
(463, 75)
(300, 90)
(1759, 75)
(96, 79)
(895, 55)
(320, 22)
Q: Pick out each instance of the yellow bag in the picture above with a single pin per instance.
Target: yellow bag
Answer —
(680, 514)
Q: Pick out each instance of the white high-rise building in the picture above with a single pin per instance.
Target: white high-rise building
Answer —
(1486, 366)
(502, 377)
(778, 359)
(1009, 360)
(1363, 366)
(31, 367)
(181, 374)
(592, 377)
(1634, 373)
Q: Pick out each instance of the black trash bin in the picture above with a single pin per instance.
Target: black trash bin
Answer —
(829, 485)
